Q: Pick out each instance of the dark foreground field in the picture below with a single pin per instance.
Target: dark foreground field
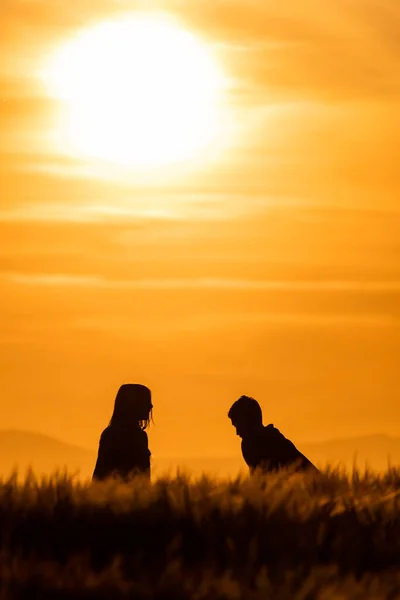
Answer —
(283, 537)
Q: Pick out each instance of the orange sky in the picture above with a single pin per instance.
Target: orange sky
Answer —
(272, 271)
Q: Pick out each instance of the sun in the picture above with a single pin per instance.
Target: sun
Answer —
(141, 91)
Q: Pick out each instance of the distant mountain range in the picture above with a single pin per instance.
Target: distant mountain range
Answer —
(374, 450)
(23, 449)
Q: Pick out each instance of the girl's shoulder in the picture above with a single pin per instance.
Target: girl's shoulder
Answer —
(106, 434)
(133, 433)
(138, 437)
(139, 434)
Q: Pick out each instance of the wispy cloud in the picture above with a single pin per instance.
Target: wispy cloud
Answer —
(316, 93)
(167, 206)
(335, 50)
(250, 321)
(341, 47)
(91, 213)
(59, 279)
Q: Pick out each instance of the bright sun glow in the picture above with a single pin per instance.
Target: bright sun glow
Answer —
(139, 91)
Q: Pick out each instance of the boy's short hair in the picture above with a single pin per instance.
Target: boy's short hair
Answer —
(247, 407)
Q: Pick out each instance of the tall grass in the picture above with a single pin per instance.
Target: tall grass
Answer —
(281, 536)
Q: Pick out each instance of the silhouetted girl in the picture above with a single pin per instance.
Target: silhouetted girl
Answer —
(123, 448)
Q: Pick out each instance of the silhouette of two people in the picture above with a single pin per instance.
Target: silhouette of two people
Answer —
(124, 450)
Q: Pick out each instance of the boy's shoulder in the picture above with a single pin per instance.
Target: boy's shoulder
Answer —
(272, 432)
(267, 436)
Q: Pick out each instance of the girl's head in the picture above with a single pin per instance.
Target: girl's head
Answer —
(132, 406)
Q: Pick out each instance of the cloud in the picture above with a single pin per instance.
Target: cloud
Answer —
(339, 50)
(61, 279)
(316, 93)
(204, 325)
(178, 207)
(274, 245)
(332, 49)
(90, 213)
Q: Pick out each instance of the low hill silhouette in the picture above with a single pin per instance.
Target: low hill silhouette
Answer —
(24, 449)
(44, 454)
(372, 450)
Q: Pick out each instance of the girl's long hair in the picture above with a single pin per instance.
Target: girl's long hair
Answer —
(132, 400)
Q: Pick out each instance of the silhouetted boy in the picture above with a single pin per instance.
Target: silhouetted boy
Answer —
(263, 448)
(123, 448)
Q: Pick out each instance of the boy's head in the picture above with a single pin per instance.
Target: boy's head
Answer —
(246, 415)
